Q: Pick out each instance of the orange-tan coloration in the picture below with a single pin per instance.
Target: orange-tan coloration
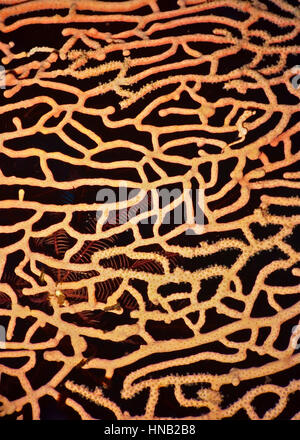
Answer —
(152, 75)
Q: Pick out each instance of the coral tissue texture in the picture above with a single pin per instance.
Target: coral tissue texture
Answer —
(103, 317)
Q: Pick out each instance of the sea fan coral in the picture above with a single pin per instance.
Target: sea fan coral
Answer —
(107, 310)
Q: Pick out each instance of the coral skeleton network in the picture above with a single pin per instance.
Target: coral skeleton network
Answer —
(149, 210)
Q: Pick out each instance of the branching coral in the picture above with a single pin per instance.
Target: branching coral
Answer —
(129, 320)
